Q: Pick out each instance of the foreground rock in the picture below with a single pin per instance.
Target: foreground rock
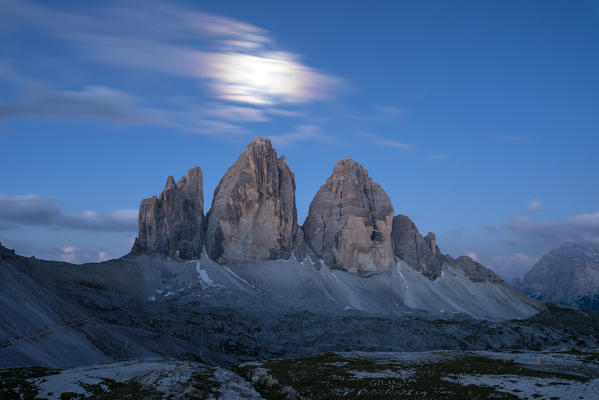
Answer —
(422, 253)
(357, 374)
(349, 222)
(568, 275)
(253, 215)
(173, 224)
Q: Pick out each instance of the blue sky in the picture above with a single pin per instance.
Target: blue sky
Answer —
(479, 119)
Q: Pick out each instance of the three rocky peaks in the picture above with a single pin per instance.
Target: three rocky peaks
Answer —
(253, 218)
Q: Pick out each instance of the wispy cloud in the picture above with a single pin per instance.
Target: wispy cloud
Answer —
(393, 143)
(120, 107)
(391, 110)
(383, 142)
(534, 206)
(239, 62)
(40, 211)
(492, 229)
(101, 102)
(513, 265)
(514, 139)
(236, 113)
(577, 228)
(301, 134)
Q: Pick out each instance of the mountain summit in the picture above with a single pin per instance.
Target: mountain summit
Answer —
(350, 219)
(253, 215)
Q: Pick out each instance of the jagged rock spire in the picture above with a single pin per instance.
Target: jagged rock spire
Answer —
(349, 221)
(173, 223)
(253, 215)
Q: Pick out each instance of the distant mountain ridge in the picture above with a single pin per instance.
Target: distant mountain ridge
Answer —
(568, 275)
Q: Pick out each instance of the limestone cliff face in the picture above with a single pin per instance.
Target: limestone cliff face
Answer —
(349, 221)
(422, 253)
(173, 223)
(253, 215)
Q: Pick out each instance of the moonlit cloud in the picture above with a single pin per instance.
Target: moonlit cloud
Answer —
(39, 211)
(239, 62)
(264, 79)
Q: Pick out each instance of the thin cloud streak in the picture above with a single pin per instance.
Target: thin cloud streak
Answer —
(534, 206)
(39, 211)
(514, 139)
(119, 107)
(393, 143)
(101, 102)
(301, 134)
(513, 265)
(379, 141)
(238, 61)
(577, 228)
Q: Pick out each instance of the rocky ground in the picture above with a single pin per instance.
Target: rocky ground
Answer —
(348, 375)
(225, 325)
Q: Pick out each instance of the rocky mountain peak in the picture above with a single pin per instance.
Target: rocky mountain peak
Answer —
(349, 221)
(173, 223)
(259, 144)
(170, 183)
(566, 275)
(253, 215)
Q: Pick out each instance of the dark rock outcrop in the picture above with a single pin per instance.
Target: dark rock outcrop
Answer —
(173, 223)
(421, 253)
(349, 221)
(253, 215)
(474, 270)
(300, 248)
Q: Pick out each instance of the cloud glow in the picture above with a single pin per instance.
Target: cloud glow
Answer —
(239, 62)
